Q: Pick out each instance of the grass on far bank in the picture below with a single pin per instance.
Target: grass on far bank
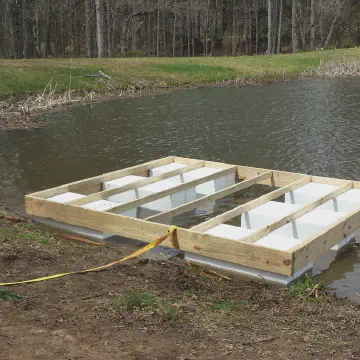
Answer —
(26, 77)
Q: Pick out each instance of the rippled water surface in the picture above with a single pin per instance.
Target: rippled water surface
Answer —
(308, 126)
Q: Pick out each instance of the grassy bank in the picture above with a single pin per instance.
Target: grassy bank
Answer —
(156, 310)
(20, 77)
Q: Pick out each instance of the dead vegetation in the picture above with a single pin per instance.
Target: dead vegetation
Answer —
(335, 69)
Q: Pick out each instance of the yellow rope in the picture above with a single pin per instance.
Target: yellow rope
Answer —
(128, 257)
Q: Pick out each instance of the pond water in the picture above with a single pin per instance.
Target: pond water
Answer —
(307, 126)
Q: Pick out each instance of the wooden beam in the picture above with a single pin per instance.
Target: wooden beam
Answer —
(107, 193)
(77, 185)
(329, 181)
(174, 190)
(311, 249)
(212, 197)
(220, 219)
(202, 244)
(296, 214)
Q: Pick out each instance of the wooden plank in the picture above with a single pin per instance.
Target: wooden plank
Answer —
(329, 181)
(77, 185)
(202, 244)
(186, 161)
(212, 197)
(220, 219)
(284, 178)
(279, 179)
(218, 165)
(106, 193)
(314, 247)
(294, 215)
(174, 190)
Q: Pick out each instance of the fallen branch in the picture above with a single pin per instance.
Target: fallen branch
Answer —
(100, 74)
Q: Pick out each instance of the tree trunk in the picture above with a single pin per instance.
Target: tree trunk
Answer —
(257, 27)
(280, 27)
(312, 24)
(326, 44)
(233, 46)
(270, 19)
(109, 28)
(293, 28)
(158, 34)
(87, 29)
(174, 32)
(25, 51)
(100, 27)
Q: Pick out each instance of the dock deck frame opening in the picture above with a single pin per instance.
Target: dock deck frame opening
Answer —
(196, 241)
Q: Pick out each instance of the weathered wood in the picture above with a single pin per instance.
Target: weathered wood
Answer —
(329, 181)
(212, 197)
(78, 185)
(174, 190)
(191, 241)
(317, 245)
(107, 193)
(296, 214)
(220, 219)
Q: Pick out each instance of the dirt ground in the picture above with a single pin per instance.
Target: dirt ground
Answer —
(154, 310)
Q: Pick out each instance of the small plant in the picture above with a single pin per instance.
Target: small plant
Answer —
(135, 299)
(5, 295)
(44, 241)
(305, 286)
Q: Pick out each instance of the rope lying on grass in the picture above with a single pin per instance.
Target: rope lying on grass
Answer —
(171, 232)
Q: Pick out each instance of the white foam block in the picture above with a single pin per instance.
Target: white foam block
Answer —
(104, 205)
(315, 221)
(308, 193)
(275, 241)
(65, 197)
(211, 186)
(346, 202)
(229, 232)
(168, 202)
(166, 168)
(126, 196)
(265, 214)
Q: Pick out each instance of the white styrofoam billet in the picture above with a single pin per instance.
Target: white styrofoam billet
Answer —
(166, 168)
(266, 214)
(126, 196)
(308, 193)
(65, 197)
(229, 232)
(346, 202)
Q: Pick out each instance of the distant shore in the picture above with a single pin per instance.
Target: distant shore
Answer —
(28, 87)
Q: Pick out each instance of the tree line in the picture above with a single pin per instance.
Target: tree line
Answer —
(114, 28)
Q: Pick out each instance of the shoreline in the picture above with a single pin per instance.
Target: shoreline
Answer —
(14, 117)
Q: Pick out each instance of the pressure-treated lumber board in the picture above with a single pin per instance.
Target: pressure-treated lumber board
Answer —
(329, 181)
(106, 193)
(174, 190)
(311, 249)
(294, 215)
(212, 197)
(77, 185)
(203, 244)
(220, 219)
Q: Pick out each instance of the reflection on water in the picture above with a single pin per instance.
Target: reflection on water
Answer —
(302, 126)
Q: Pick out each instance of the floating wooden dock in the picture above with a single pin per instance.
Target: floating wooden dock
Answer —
(276, 240)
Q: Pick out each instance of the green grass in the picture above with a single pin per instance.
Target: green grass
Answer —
(19, 77)
(6, 295)
(305, 286)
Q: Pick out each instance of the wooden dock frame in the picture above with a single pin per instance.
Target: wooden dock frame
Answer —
(194, 240)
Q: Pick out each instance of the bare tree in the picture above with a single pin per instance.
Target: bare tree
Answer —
(100, 27)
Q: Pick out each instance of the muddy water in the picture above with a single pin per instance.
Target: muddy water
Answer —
(303, 126)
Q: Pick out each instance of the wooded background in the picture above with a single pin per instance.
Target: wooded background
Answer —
(114, 28)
